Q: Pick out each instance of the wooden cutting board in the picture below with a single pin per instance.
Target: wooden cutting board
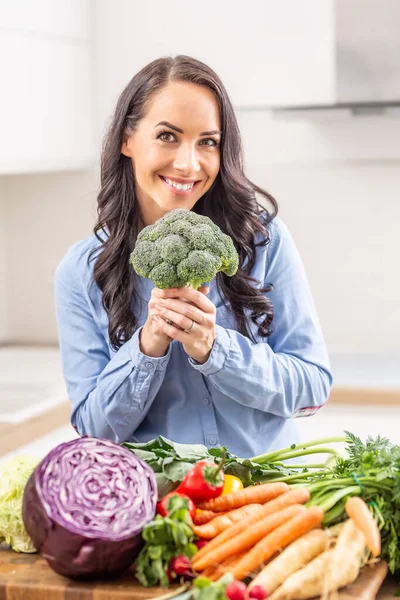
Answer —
(29, 577)
(367, 584)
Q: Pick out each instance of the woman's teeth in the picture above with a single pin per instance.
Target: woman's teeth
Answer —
(179, 186)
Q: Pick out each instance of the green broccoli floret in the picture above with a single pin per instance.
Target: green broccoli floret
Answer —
(183, 248)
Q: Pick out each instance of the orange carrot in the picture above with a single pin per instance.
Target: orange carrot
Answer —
(223, 521)
(224, 567)
(357, 510)
(278, 539)
(295, 496)
(256, 515)
(255, 494)
(247, 538)
(208, 572)
(205, 516)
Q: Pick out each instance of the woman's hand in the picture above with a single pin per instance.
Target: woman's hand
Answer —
(153, 340)
(192, 320)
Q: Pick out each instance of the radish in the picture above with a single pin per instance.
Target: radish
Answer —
(201, 543)
(181, 565)
(236, 590)
(257, 593)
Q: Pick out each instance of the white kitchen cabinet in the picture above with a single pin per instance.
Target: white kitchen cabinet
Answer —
(46, 112)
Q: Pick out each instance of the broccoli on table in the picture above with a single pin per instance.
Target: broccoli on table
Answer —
(183, 248)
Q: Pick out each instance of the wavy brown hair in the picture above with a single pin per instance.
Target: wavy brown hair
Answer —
(231, 203)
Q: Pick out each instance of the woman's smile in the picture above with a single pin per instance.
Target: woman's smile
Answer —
(180, 187)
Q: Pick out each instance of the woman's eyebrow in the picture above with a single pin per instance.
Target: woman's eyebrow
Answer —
(179, 130)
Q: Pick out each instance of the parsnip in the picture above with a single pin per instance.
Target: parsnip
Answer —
(293, 558)
(309, 581)
(330, 570)
(351, 540)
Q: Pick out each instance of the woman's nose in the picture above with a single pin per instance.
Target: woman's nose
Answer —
(186, 159)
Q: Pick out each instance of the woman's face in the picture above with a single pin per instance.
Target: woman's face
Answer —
(175, 149)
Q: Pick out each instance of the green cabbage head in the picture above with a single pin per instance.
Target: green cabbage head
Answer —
(14, 474)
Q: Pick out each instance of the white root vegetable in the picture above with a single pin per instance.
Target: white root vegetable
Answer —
(309, 581)
(293, 558)
(329, 571)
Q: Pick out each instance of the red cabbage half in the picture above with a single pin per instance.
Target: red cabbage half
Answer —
(85, 506)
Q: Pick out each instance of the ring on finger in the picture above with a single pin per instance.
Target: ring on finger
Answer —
(190, 328)
(173, 324)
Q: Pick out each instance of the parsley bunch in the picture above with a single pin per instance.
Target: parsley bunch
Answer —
(165, 538)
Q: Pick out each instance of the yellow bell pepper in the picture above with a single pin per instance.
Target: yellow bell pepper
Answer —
(231, 484)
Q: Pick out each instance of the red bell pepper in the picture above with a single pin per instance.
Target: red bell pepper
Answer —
(162, 505)
(203, 482)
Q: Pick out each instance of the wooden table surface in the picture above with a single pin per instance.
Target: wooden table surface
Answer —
(29, 577)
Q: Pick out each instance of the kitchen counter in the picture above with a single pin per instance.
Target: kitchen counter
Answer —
(16, 435)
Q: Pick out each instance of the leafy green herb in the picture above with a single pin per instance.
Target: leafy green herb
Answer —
(165, 538)
(169, 460)
(172, 461)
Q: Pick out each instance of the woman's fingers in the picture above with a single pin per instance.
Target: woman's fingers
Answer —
(174, 318)
(172, 306)
(197, 298)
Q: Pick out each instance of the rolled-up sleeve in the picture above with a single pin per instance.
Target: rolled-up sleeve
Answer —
(110, 392)
(287, 374)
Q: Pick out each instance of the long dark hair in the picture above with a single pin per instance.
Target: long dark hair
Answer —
(231, 203)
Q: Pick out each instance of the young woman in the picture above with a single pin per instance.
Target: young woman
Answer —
(229, 364)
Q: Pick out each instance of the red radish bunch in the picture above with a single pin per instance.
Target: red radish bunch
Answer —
(257, 593)
(236, 590)
(201, 543)
(181, 566)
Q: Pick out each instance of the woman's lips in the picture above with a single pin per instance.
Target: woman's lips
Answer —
(178, 190)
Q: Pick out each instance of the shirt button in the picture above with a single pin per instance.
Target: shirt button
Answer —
(164, 362)
(149, 365)
(206, 402)
(212, 441)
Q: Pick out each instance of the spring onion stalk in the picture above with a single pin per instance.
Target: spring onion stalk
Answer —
(281, 454)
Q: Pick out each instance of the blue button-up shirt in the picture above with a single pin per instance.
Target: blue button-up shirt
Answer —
(244, 397)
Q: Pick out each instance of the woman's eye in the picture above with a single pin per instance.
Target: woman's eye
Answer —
(209, 142)
(166, 136)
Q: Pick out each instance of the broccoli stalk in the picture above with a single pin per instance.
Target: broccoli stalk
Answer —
(183, 248)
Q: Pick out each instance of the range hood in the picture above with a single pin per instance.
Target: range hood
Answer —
(364, 64)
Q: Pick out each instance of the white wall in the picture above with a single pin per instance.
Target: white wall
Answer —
(3, 267)
(345, 220)
(44, 214)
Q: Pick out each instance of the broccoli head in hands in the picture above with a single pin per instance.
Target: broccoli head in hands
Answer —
(183, 248)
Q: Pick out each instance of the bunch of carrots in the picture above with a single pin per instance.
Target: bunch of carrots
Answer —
(266, 533)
